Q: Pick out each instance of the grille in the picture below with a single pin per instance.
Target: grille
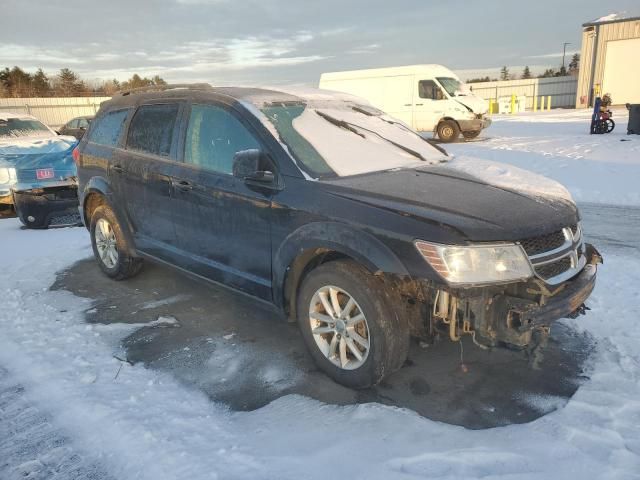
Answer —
(553, 269)
(543, 243)
(69, 219)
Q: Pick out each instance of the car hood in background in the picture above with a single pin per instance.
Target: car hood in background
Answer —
(30, 154)
(483, 201)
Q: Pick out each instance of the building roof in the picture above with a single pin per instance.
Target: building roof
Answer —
(610, 19)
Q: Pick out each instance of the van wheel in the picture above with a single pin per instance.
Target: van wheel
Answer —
(448, 131)
(110, 245)
(349, 324)
(471, 135)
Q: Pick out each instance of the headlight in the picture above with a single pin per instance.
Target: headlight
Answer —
(8, 176)
(477, 264)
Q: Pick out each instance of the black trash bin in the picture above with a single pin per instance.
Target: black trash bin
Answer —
(634, 118)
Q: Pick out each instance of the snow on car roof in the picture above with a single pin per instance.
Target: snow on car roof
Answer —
(261, 96)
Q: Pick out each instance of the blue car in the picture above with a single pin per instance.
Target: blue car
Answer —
(37, 172)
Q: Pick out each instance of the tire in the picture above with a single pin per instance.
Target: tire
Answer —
(105, 229)
(383, 330)
(471, 135)
(448, 131)
(610, 125)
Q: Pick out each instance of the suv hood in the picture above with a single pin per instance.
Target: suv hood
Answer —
(481, 201)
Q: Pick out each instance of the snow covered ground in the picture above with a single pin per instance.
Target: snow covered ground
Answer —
(557, 144)
(138, 423)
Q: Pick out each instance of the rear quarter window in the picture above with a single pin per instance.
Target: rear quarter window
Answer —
(108, 128)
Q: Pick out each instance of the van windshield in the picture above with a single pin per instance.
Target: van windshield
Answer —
(451, 85)
(337, 139)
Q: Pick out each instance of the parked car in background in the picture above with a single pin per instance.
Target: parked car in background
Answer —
(37, 172)
(342, 217)
(429, 98)
(76, 126)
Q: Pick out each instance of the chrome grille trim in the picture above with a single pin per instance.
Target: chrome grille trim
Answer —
(572, 248)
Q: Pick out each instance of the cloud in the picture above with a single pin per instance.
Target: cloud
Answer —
(554, 55)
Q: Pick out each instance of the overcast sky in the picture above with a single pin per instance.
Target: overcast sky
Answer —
(264, 42)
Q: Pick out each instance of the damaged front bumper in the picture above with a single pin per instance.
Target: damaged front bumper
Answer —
(501, 316)
(44, 207)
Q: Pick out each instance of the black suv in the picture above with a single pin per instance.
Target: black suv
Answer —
(342, 217)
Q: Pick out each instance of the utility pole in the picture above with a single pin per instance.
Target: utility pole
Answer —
(564, 51)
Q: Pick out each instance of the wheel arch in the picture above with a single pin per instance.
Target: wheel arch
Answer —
(97, 192)
(317, 243)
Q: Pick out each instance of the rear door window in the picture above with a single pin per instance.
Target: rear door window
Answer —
(213, 137)
(152, 129)
(108, 128)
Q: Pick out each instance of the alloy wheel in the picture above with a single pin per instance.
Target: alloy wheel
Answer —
(106, 244)
(339, 327)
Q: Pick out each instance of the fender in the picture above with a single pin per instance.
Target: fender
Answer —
(352, 242)
(100, 186)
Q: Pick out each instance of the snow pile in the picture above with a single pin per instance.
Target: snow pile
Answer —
(557, 145)
(144, 425)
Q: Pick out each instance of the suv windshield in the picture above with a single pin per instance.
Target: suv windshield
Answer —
(22, 127)
(451, 85)
(337, 138)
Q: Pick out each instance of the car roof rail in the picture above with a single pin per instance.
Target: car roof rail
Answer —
(161, 88)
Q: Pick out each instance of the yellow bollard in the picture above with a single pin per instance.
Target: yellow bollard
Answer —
(535, 104)
(549, 102)
(513, 103)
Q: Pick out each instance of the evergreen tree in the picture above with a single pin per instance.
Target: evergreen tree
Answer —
(16, 82)
(69, 84)
(504, 73)
(574, 65)
(526, 73)
(40, 83)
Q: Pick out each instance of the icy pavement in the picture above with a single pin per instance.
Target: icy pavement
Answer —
(144, 424)
(32, 448)
(557, 144)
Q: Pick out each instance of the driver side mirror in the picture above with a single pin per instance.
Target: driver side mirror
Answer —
(252, 166)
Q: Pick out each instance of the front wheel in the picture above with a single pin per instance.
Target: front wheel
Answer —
(448, 131)
(110, 245)
(349, 324)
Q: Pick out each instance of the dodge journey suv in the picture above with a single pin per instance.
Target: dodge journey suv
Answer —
(341, 217)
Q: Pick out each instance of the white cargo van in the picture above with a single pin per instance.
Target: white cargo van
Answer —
(426, 97)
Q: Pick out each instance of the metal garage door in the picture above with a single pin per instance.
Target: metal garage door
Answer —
(622, 71)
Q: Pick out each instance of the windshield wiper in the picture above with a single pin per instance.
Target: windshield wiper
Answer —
(339, 123)
(350, 126)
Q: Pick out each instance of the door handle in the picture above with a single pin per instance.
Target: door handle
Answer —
(117, 168)
(408, 105)
(419, 104)
(182, 185)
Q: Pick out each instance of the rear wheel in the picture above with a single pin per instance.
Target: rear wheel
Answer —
(110, 245)
(349, 324)
(448, 131)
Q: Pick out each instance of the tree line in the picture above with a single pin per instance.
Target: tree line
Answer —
(574, 66)
(17, 83)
